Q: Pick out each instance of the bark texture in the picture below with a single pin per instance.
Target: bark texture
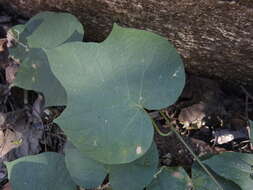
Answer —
(214, 37)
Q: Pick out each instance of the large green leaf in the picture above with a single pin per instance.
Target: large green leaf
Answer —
(51, 29)
(135, 175)
(89, 173)
(202, 180)
(109, 85)
(35, 74)
(45, 30)
(234, 166)
(174, 178)
(45, 171)
(85, 172)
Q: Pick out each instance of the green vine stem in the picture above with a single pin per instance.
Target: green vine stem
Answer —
(159, 131)
(190, 150)
(154, 123)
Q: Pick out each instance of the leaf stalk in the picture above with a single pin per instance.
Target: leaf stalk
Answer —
(192, 153)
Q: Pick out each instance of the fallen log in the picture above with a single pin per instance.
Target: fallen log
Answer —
(214, 37)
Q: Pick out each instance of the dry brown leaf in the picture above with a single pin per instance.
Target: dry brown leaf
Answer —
(10, 72)
(3, 42)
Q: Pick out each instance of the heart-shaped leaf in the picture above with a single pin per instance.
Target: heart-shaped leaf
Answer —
(85, 172)
(135, 175)
(35, 74)
(89, 173)
(202, 180)
(170, 178)
(43, 171)
(44, 31)
(109, 86)
(234, 166)
(51, 29)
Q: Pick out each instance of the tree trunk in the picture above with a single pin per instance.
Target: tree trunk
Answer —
(214, 37)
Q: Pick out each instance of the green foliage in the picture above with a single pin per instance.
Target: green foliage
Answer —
(109, 85)
(89, 173)
(17, 30)
(44, 171)
(170, 178)
(35, 74)
(85, 172)
(202, 181)
(108, 88)
(135, 175)
(237, 167)
(48, 30)
(44, 31)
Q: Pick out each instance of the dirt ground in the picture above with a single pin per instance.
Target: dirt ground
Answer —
(212, 116)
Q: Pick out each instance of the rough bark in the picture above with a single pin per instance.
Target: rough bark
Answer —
(214, 37)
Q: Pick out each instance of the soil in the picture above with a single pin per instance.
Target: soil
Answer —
(211, 116)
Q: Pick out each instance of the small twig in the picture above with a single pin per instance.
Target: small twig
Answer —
(159, 171)
(246, 92)
(247, 96)
(247, 106)
(25, 97)
(247, 117)
(193, 154)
